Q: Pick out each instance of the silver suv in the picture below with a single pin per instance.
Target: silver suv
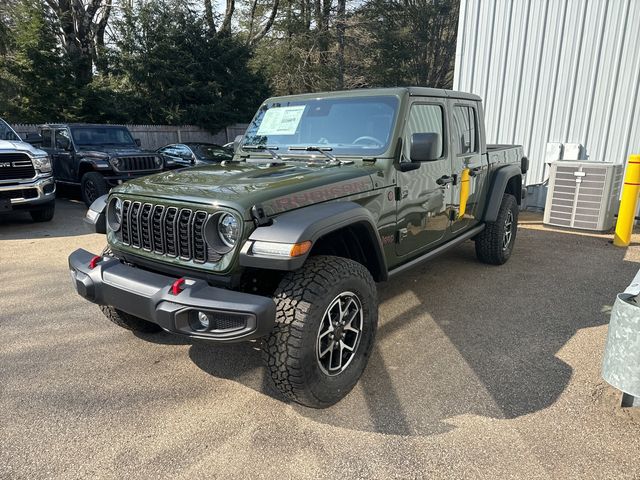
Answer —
(26, 180)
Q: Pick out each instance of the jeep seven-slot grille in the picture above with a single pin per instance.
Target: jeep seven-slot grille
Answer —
(166, 230)
(132, 164)
(16, 166)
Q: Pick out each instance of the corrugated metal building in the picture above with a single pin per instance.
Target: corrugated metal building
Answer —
(565, 71)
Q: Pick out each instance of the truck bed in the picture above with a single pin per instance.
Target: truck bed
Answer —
(500, 154)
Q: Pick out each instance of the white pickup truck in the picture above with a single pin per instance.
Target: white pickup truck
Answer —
(26, 180)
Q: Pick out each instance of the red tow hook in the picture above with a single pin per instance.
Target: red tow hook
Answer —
(94, 261)
(177, 286)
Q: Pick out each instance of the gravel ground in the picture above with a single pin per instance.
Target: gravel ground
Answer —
(479, 372)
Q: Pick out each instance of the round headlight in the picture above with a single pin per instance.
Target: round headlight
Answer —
(228, 229)
(114, 214)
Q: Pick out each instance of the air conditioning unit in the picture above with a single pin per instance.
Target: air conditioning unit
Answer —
(583, 194)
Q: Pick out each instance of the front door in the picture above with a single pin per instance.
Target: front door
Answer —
(424, 194)
(62, 156)
(469, 165)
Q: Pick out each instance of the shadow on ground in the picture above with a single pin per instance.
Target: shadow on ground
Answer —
(458, 337)
(67, 221)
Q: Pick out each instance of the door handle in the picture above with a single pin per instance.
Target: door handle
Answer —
(446, 180)
(474, 171)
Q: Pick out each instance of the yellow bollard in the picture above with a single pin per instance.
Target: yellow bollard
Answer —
(628, 203)
(464, 191)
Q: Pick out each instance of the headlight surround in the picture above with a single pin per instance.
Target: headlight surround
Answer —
(115, 162)
(114, 214)
(42, 163)
(222, 232)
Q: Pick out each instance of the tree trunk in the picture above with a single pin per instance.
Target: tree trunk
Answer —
(340, 28)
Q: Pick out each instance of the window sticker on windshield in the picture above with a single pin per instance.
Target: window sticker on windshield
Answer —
(281, 121)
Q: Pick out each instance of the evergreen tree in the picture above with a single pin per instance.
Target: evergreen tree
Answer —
(33, 71)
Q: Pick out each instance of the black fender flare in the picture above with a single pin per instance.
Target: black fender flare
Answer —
(91, 164)
(498, 186)
(96, 215)
(312, 223)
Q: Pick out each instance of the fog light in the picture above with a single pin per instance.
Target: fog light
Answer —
(203, 320)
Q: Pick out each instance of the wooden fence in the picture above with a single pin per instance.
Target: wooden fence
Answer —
(156, 136)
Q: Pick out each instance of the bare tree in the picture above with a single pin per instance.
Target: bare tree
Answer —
(83, 24)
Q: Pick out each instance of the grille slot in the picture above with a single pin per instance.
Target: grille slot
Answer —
(166, 230)
(138, 163)
(16, 166)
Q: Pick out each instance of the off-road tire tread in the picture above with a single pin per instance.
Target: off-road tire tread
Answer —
(489, 241)
(43, 214)
(100, 182)
(297, 291)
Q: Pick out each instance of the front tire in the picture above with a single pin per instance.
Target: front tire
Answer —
(93, 185)
(44, 214)
(123, 319)
(495, 243)
(326, 319)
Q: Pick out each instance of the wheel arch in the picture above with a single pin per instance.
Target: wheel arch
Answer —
(507, 179)
(338, 228)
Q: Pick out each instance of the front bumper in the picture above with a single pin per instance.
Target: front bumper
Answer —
(114, 179)
(25, 193)
(235, 316)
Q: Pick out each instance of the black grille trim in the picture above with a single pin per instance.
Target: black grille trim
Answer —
(16, 166)
(166, 230)
(138, 163)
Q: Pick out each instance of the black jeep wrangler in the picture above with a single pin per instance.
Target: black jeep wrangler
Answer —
(96, 157)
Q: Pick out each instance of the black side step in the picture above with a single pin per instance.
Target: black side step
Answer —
(434, 253)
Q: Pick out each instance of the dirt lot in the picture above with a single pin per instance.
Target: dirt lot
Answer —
(479, 372)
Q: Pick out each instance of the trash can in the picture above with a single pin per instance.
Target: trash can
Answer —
(621, 363)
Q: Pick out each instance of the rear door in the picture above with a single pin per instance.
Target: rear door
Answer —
(469, 165)
(424, 194)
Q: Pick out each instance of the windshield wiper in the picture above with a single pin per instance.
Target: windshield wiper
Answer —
(315, 148)
(264, 148)
(332, 159)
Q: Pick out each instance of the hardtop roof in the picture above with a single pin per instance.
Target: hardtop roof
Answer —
(412, 91)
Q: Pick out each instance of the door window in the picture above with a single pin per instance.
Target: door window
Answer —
(46, 138)
(423, 119)
(62, 139)
(465, 130)
(183, 151)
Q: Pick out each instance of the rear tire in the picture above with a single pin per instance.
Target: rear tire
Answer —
(326, 319)
(44, 214)
(495, 243)
(123, 319)
(93, 186)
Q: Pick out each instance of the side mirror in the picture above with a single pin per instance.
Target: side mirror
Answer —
(138, 142)
(63, 144)
(425, 147)
(236, 143)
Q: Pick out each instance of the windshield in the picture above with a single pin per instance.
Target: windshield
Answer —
(86, 136)
(211, 152)
(7, 133)
(348, 126)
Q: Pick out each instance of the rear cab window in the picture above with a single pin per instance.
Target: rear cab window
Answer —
(465, 130)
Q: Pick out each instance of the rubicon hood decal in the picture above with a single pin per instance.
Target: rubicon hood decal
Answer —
(317, 195)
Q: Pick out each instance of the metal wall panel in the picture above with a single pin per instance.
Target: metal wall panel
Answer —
(564, 71)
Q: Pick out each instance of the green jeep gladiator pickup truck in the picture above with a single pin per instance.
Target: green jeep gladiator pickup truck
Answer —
(326, 195)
